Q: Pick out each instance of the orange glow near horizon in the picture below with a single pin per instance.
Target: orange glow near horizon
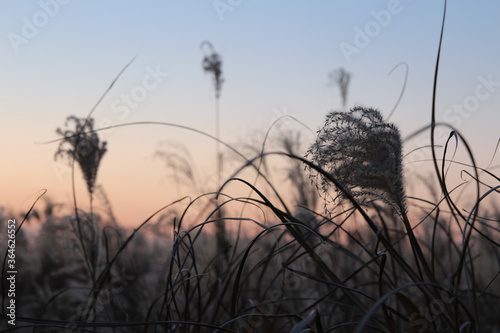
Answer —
(67, 65)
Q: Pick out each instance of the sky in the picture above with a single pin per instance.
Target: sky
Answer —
(58, 57)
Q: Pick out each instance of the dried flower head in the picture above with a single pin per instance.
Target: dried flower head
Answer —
(363, 153)
(341, 77)
(212, 63)
(84, 146)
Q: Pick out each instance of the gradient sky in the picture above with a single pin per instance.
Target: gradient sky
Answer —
(276, 59)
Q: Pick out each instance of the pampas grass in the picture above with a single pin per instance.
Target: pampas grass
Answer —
(84, 146)
(358, 267)
(364, 153)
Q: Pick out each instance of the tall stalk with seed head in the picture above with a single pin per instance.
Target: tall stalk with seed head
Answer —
(364, 153)
(83, 146)
(341, 78)
(212, 64)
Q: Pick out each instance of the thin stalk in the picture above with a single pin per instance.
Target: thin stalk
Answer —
(221, 235)
(217, 142)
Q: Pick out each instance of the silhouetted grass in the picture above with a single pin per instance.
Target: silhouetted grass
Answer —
(359, 264)
(350, 269)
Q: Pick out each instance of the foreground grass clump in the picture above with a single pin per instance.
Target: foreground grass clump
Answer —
(360, 266)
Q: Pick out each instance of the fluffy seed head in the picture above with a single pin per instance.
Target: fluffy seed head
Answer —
(364, 153)
(212, 63)
(84, 146)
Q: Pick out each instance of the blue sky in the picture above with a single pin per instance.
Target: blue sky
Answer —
(276, 59)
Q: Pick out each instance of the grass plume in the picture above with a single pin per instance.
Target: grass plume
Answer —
(84, 145)
(364, 153)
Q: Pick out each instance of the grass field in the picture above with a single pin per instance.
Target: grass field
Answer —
(331, 243)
